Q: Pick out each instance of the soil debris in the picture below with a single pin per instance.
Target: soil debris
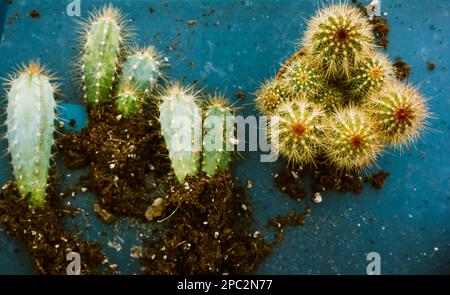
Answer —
(403, 70)
(377, 179)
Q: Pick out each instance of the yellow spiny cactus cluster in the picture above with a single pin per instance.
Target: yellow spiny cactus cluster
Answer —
(338, 97)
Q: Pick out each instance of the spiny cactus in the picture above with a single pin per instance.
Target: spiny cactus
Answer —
(370, 75)
(218, 127)
(303, 79)
(180, 120)
(104, 36)
(30, 119)
(351, 140)
(140, 73)
(299, 132)
(271, 94)
(330, 98)
(337, 39)
(400, 112)
(128, 100)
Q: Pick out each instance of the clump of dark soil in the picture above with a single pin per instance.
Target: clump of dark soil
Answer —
(323, 178)
(377, 179)
(431, 66)
(47, 241)
(281, 222)
(381, 30)
(287, 181)
(126, 158)
(402, 69)
(208, 231)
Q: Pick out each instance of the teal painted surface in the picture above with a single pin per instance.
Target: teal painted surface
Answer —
(234, 45)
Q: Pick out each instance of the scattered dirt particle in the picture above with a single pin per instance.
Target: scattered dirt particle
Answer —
(240, 95)
(431, 66)
(192, 22)
(403, 70)
(151, 10)
(106, 216)
(377, 179)
(72, 122)
(35, 14)
(281, 222)
(15, 17)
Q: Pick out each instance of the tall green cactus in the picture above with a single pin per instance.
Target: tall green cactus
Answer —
(218, 127)
(180, 120)
(140, 73)
(30, 119)
(104, 37)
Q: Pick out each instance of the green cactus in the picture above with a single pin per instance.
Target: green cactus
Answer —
(337, 39)
(351, 140)
(218, 128)
(104, 37)
(303, 79)
(140, 73)
(400, 113)
(370, 76)
(271, 94)
(300, 131)
(180, 120)
(30, 118)
(330, 98)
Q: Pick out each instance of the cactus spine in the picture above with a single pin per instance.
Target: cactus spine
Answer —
(337, 39)
(30, 117)
(299, 132)
(180, 120)
(400, 113)
(139, 76)
(218, 128)
(104, 36)
(352, 142)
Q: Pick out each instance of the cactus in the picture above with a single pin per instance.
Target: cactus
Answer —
(351, 140)
(330, 98)
(139, 76)
(400, 112)
(128, 100)
(30, 118)
(180, 120)
(300, 131)
(303, 79)
(142, 69)
(104, 37)
(370, 75)
(271, 94)
(218, 128)
(337, 39)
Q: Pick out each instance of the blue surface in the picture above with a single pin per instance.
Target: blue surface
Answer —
(232, 48)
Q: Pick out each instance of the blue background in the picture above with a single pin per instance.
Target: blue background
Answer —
(232, 49)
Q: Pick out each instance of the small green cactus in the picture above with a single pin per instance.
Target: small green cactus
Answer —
(140, 74)
(30, 119)
(370, 75)
(303, 79)
(337, 39)
(128, 100)
(400, 113)
(271, 94)
(351, 140)
(218, 128)
(300, 131)
(330, 98)
(180, 120)
(104, 37)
